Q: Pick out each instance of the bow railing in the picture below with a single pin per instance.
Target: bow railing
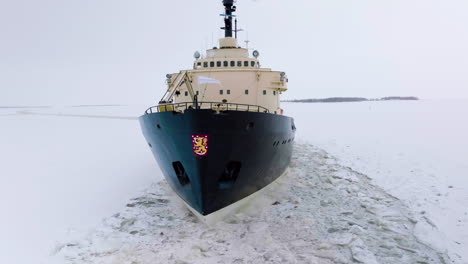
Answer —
(216, 106)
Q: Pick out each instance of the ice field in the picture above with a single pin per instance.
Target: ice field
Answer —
(373, 182)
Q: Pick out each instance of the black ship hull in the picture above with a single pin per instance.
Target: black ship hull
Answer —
(243, 152)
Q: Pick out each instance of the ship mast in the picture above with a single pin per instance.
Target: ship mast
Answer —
(230, 8)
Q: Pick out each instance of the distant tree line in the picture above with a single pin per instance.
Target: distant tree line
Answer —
(350, 99)
(399, 98)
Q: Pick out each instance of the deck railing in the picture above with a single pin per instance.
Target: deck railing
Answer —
(216, 106)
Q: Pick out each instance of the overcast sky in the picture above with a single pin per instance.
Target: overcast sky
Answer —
(61, 52)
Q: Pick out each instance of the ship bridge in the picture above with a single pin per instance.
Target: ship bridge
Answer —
(227, 74)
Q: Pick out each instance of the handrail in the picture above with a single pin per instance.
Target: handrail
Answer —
(217, 106)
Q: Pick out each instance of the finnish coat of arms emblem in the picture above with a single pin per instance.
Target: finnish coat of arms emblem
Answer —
(200, 145)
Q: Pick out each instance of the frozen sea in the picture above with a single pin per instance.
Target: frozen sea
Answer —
(372, 182)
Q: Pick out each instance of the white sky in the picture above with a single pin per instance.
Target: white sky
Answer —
(59, 52)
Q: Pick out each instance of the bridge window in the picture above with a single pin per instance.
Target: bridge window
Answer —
(220, 91)
(246, 91)
(233, 63)
(264, 92)
(228, 91)
(239, 64)
(218, 64)
(252, 63)
(205, 64)
(246, 64)
(212, 64)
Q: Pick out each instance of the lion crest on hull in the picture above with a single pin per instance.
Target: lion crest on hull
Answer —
(200, 145)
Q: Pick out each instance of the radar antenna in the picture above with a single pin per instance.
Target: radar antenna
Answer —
(237, 30)
(230, 9)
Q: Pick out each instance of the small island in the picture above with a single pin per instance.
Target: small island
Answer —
(352, 99)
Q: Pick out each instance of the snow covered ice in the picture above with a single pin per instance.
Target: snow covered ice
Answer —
(321, 212)
(416, 151)
(361, 188)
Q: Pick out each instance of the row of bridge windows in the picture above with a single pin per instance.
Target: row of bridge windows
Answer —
(213, 64)
(229, 92)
